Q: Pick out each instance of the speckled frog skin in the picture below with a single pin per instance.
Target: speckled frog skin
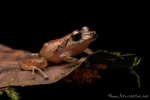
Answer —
(60, 50)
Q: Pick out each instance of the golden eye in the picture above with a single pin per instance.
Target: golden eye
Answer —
(76, 35)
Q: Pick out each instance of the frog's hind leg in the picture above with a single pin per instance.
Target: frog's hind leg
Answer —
(34, 55)
(34, 63)
(34, 67)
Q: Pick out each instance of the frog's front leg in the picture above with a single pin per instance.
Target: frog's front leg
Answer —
(67, 57)
(34, 63)
(88, 51)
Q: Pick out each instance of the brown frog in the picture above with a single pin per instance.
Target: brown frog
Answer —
(60, 50)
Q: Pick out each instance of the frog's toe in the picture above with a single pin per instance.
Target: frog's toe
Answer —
(46, 77)
(82, 60)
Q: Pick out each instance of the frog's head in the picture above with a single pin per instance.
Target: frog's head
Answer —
(82, 38)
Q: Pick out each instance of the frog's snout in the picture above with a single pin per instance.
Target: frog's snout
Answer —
(93, 34)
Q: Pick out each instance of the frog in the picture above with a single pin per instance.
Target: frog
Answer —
(61, 50)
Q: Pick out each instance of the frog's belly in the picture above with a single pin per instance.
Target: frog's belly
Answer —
(55, 59)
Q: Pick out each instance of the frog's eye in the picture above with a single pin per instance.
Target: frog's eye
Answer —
(76, 35)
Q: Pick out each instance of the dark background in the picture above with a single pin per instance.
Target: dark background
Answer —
(120, 27)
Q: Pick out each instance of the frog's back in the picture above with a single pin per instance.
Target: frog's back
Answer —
(51, 48)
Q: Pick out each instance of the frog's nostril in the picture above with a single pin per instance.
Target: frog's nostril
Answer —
(94, 33)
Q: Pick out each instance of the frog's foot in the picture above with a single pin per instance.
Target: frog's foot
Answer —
(66, 57)
(83, 59)
(88, 51)
(34, 67)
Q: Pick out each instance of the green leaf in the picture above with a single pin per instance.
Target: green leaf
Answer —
(135, 63)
